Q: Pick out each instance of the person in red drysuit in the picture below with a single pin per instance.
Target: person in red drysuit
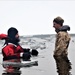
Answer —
(11, 49)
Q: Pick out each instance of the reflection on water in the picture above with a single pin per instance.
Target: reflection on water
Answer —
(10, 70)
(12, 67)
(6, 73)
(63, 65)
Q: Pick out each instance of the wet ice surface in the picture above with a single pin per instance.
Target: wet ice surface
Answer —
(46, 62)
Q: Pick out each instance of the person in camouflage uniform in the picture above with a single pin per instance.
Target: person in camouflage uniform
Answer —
(61, 46)
(62, 37)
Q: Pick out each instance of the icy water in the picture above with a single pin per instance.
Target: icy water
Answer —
(47, 65)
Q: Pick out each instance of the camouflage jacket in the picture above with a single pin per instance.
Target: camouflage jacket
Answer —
(62, 43)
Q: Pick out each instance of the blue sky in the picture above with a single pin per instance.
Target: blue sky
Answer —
(32, 17)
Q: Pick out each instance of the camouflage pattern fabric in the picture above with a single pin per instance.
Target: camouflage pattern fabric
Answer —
(62, 43)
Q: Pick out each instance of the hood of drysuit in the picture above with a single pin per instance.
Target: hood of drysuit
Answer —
(11, 36)
(63, 28)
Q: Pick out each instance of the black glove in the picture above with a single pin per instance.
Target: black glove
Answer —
(34, 52)
(26, 56)
(26, 49)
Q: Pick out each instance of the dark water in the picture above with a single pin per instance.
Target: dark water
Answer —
(47, 64)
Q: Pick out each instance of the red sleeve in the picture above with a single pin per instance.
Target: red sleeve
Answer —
(8, 51)
(3, 36)
(19, 49)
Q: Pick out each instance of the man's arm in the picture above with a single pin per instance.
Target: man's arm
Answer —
(3, 36)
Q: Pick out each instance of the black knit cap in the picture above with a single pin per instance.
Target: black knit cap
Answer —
(59, 20)
(12, 32)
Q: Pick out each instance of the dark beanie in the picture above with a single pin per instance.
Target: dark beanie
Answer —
(59, 20)
(12, 32)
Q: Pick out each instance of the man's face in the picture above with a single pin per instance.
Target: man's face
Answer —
(17, 35)
(56, 26)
